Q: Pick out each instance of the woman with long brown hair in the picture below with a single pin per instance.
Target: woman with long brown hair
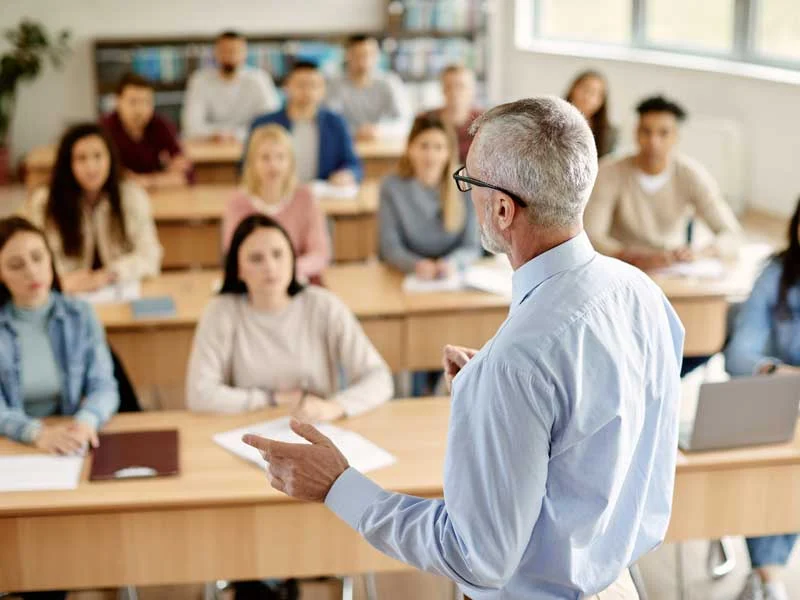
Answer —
(766, 341)
(427, 226)
(101, 229)
(589, 93)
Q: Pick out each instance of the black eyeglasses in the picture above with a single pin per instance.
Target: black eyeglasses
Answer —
(465, 183)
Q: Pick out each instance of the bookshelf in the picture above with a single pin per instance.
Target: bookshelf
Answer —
(419, 39)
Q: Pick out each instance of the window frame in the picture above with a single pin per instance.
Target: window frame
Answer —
(743, 50)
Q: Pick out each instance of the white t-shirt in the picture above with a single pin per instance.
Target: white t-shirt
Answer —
(216, 105)
(653, 183)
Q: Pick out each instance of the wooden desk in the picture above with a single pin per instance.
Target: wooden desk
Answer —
(188, 222)
(218, 162)
(409, 330)
(215, 520)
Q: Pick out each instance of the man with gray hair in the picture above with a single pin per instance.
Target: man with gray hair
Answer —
(563, 436)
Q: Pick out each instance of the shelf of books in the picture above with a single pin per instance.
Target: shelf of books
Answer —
(420, 38)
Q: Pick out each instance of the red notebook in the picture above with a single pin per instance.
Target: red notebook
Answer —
(136, 454)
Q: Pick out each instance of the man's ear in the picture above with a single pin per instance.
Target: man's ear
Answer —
(505, 210)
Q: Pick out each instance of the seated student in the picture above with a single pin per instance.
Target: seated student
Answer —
(221, 101)
(374, 104)
(147, 143)
(43, 374)
(459, 111)
(589, 93)
(268, 341)
(101, 230)
(270, 187)
(323, 147)
(641, 204)
(764, 341)
(426, 226)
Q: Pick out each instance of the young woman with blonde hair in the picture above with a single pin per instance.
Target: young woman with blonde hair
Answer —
(270, 187)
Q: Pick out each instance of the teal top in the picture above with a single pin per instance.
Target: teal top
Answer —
(40, 375)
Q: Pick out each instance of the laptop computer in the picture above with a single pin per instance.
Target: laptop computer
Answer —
(747, 411)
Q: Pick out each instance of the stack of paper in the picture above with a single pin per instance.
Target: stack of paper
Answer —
(706, 268)
(414, 285)
(362, 454)
(116, 292)
(322, 190)
(36, 472)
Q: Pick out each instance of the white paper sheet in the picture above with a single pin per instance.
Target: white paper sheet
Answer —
(362, 454)
(36, 472)
(322, 190)
(414, 285)
(495, 279)
(116, 292)
(706, 268)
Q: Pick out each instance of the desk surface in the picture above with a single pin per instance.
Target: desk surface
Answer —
(208, 152)
(211, 476)
(208, 201)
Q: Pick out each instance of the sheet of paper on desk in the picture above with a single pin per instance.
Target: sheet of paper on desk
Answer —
(706, 268)
(414, 285)
(116, 292)
(322, 190)
(38, 472)
(489, 278)
(362, 454)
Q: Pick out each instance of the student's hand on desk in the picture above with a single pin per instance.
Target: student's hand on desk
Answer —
(65, 438)
(444, 268)
(684, 254)
(453, 360)
(787, 370)
(312, 409)
(426, 269)
(367, 132)
(647, 261)
(288, 397)
(306, 472)
(342, 177)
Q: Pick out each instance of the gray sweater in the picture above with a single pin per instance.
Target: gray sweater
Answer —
(411, 227)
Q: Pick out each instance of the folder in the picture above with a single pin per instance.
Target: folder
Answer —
(136, 454)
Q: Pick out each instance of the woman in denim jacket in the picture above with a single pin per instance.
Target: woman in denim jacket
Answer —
(766, 340)
(53, 356)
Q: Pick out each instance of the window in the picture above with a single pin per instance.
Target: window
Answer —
(777, 32)
(755, 31)
(706, 25)
(601, 20)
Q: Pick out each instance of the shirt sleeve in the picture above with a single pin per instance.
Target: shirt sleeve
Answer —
(368, 382)
(315, 253)
(494, 483)
(714, 210)
(397, 113)
(194, 115)
(750, 345)
(168, 136)
(208, 373)
(144, 260)
(100, 390)
(347, 152)
(393, 248)
(16, 425)
(470, 248)
(599, 216)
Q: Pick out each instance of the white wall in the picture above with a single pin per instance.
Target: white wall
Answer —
(767, 111)
(59, 97)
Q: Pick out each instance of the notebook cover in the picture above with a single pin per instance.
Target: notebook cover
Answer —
(155, 451)
(161, 306)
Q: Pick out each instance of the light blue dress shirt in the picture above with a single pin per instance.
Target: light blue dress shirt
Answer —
(562, 443)
(760, 334)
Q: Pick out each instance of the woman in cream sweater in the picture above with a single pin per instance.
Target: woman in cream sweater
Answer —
(268, 341)
(100, 229)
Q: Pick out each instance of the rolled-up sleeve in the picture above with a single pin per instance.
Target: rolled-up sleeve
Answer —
(494, 483)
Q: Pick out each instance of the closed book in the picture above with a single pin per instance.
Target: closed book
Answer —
(136, 454)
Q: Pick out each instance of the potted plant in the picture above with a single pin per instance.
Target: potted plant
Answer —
(31, 46)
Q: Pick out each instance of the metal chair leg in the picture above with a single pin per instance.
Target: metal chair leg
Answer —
(372, 586)
(347, 588)
(724, 548)
(638, 582)
(680, 577)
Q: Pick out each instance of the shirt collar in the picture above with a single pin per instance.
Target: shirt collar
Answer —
(572, 253)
